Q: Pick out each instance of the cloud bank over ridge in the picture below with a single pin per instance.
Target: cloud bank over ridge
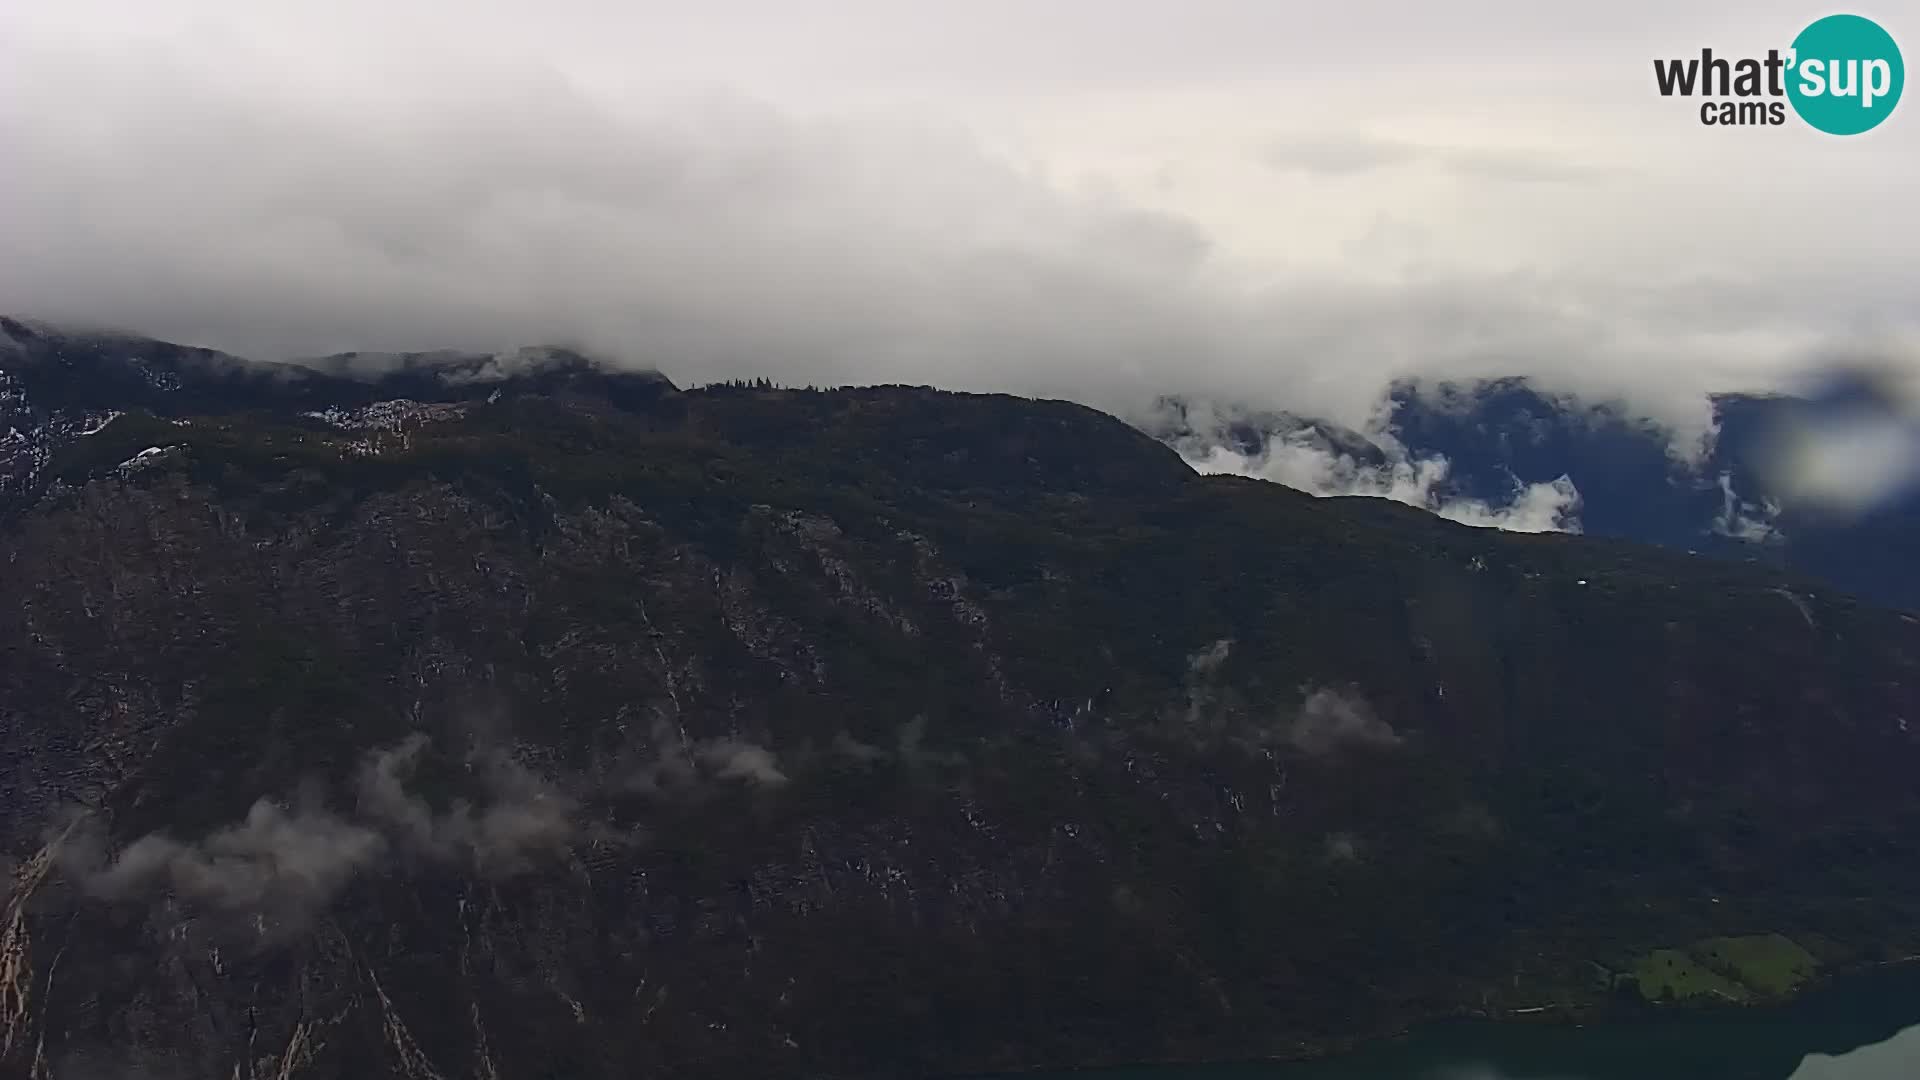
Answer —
(1125, 201)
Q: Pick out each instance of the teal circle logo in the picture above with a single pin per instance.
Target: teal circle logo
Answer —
(1845, 75)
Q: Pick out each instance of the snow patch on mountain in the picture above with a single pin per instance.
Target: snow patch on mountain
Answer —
(400, 414)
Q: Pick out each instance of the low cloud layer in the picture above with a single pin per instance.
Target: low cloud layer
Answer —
(290, 861)
(1744, 519)
(1331, 719)
(524, 816)
(1348, 154)
(731, 759)
(1552, 506)
(1303, 456)
(1204, 663)
(678, 765)
(275, 859)
(1324, 720)
(1203, 708)
(1125, 218)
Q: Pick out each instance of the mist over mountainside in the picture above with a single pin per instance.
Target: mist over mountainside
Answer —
(501, 715)
(1823, 484)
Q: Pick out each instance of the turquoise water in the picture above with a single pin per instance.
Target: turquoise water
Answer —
(1866, 1028)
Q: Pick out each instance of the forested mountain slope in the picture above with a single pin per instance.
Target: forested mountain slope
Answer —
(553, 723)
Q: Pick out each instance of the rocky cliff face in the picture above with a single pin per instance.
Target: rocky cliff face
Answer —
(539, 722)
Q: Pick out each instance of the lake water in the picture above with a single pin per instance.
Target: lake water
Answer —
(1865, 1028)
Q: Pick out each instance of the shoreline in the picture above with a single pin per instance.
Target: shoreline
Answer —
(1572, 1016)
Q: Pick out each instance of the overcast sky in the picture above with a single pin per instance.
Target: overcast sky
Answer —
(1096, 199)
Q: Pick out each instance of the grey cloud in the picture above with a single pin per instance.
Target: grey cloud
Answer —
(292, 861)
(731, 759)
(1208, 660)
(1341, 154)
(670, 769)
(293, 185)
(1522, 168)
(854, 750)
(681, 766)
(384, 797)
(984, 47)
(1330, 719)
(1743, 519)
(1337, 155)
(1202, 693)
(286, 862)
(1210, 706)
(525, 815)
(715, 238)
(1545, 506)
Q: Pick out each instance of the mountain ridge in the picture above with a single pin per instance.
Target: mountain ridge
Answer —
(739, 730)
